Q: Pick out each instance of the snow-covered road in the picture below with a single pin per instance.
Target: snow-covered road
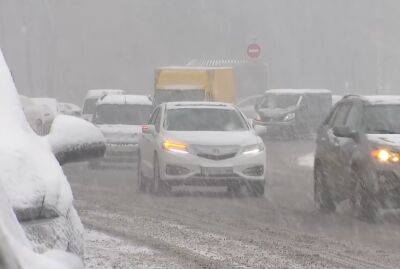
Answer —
(211, 229)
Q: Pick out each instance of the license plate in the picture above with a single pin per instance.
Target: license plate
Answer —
(216, 171)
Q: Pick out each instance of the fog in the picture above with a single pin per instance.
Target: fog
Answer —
(63, 48)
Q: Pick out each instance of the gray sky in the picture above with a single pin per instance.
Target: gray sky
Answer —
(62, 48)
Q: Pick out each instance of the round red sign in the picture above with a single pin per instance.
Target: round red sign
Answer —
(253, 50)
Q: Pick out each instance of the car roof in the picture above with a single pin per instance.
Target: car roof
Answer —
(216, 105)
(298, 91)
(128, 99)
(375, 99)
(96, 93)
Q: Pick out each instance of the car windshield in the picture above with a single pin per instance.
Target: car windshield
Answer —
(204, 119)
(89, 107)
(123, 114)
(279, 101)
(382, 119)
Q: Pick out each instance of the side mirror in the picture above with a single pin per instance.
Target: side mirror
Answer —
(148, 129)
(74, 140)
(260, 130)
(344, 131)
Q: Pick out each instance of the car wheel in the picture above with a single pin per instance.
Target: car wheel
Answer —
(365, 205)
(157, 185)
(256, 189)
(322, 195)
(140, 179)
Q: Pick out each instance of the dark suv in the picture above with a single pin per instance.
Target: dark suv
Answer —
(358, 155)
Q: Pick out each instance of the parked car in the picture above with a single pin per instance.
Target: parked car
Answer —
(248, 104)
(89, 103)
(50, 106)
(358, 155)
(31, 175)
(182, 146)
(36, 115)
(120, 118)
(70, 109)
(293, 112)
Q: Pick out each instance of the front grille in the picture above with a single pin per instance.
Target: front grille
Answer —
(217, 157)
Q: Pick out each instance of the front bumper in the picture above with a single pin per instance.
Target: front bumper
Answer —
(237, 170)
(388, 185)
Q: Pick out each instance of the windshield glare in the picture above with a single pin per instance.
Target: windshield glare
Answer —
(279, 101)
(123, 114)
(382, 119)
(204, 119)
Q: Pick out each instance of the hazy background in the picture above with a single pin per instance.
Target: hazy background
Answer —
(62, 48)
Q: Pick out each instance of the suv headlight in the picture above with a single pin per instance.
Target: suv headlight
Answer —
(253, 149)
(386, 156)
(289, 116)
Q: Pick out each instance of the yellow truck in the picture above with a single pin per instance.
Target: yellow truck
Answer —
(186, 83)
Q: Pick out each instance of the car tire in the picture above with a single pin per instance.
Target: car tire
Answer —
(140, 179)
(322, 195)
(157, 185)
(256, 189)
(364, 202)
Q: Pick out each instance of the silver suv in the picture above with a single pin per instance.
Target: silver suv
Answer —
(358, 156)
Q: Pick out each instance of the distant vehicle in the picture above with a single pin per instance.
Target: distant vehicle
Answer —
(247, 105)
(182, 146)
(185, 83)
(120, 118)
(70, 109)
(89, 103)
(358, 155)
(293, 112)
(50, 105)
(33, 179)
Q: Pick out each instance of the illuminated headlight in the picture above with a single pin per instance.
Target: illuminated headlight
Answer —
(289, 116)
(253, 149)
(386, 156)
(175, 146)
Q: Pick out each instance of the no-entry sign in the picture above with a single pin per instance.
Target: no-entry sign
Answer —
(254, 50)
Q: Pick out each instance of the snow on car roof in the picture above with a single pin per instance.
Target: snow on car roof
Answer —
(176, 105)
(180, 87)
(125, 99)
(96, 93)
(298, 91)
(382, 99)
(185, 67)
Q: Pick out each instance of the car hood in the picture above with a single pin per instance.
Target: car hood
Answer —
(240, 138)
(391, 140)
(276, 112)
(120, 133)
(32, 178)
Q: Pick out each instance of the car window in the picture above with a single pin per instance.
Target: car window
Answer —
(153, 116)
(354, 118)
(157, 122)
(340, 115)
